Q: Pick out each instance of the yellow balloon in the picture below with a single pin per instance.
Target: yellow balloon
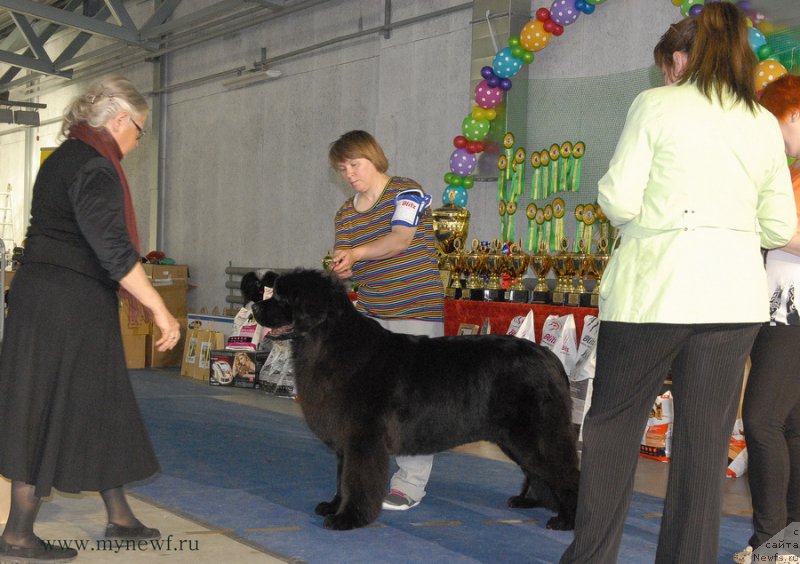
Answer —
(676, 2)
(478, 113)
(490, 114)
(533, 37)
(767, 71)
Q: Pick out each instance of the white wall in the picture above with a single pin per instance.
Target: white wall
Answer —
(247, 178)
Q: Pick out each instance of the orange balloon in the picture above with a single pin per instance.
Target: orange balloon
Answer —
(767, 71)
(533, 36)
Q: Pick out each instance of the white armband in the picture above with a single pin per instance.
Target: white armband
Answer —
(409, 207)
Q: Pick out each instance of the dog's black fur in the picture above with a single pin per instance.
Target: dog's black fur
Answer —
(369, 393)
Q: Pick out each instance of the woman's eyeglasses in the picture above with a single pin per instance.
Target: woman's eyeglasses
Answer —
(140, 131)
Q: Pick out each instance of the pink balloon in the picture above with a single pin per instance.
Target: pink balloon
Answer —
(486, 96)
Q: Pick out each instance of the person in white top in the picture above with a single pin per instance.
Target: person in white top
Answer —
(697, 184)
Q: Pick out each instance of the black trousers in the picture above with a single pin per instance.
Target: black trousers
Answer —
(633, 359)
(771, 414)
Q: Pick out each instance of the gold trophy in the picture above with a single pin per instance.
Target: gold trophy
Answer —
(456, 264)
(579, 296)
(327, 261)
(540, 264)
(474, 261)
(450, 222)
(565, 270)
(495, 266)
(518, 262)
(599, 261)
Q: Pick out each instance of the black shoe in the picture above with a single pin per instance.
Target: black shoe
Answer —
(41, 552)
(139, 532)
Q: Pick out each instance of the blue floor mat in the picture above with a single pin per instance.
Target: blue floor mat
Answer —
(260, 473)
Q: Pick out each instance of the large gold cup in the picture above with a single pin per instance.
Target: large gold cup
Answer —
(599, 261)
(541, 262)
(450, 222)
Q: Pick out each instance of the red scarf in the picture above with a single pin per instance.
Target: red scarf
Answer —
(105, 144)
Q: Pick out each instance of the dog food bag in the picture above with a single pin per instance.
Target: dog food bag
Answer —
(737, 452)
(559, 335)
(657, 439)
(277, 374)
(587, 354)
(246, 333)
(522, 327)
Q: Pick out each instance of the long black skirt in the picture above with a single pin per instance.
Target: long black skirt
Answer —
(68, 416)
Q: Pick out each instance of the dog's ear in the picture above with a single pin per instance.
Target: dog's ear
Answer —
(268, 280)
(251, 287)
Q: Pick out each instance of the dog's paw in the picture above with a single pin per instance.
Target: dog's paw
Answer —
(559, 523)
(326, 508)
(522, 502)
(341, 522)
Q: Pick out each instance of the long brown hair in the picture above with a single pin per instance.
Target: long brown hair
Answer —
(678, 38)
(721, 58)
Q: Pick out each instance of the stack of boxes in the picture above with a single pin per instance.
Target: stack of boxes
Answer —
(172, 283)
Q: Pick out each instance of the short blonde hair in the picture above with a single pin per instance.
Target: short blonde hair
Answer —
(358, 144)
(101, 102)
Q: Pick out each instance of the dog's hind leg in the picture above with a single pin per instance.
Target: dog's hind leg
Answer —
(365, 472)
(330, 507)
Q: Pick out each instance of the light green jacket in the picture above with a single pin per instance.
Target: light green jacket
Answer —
(695, 190)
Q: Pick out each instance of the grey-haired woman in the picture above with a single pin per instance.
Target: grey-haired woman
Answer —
(69, 417)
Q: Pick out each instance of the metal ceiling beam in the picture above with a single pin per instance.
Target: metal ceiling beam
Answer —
(31, 38)
(42, 67)
(161, 14)
(82, 23)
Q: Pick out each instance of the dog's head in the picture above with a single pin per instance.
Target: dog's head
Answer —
(301, 300)
(252, 287)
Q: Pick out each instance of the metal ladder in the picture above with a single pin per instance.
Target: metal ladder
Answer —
(7, 219)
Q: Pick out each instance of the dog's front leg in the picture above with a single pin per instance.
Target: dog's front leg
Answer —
(365, 471)
(326, 508)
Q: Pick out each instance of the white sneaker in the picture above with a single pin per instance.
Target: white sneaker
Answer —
(745, 556)
(396, 500)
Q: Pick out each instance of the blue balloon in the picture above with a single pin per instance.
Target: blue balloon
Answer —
(506, 65)
(456, 195)
(756, 38)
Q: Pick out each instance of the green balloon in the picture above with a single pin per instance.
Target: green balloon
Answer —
(764, 52)
(448, 177)
(513, 40)
(595, 2)
(475, 129)
(518, 51)
(468, 182)
(527, 57)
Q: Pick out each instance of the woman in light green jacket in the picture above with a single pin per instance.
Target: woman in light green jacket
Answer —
(697, 185)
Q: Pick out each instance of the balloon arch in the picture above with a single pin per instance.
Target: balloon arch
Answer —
(535, 36)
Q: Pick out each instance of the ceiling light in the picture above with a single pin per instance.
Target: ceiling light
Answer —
(23, 117)
(6, 116)
(251, 77)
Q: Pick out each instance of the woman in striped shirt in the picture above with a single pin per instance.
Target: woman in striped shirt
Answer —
(385, 245)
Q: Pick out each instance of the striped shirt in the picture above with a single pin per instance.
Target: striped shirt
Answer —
(406, 285)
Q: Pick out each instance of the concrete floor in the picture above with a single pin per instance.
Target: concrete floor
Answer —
(67, 516)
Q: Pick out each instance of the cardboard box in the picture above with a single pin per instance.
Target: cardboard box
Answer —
(235, 368)
(174, 298)
(220, 323)
(197, 352)
(5, 499)
(126, 326)
(134, 346)
(171, 358)
(167, 274)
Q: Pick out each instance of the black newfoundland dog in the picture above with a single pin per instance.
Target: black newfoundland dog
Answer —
(369, 393)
